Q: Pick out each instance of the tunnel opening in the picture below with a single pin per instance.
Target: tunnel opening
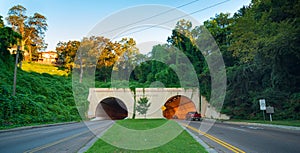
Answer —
(112, 109)
(177, 107)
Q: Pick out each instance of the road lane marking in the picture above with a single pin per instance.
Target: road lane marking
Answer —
(222, 143)
(238, 129)
(255, 128)
(55, 142)
(94, 129)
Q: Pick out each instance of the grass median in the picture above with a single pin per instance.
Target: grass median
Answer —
(182, 142)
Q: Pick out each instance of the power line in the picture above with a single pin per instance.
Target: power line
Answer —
(200, 10)
(148, 18)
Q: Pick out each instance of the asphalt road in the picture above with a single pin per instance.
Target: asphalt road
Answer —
(224, 137)
(53, 139)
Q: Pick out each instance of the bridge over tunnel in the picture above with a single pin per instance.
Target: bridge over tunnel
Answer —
(178, 106)
(111, 108)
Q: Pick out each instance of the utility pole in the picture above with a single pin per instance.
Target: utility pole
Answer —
(15, 72)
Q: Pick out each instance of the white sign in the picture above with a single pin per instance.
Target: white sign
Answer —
(262, 103)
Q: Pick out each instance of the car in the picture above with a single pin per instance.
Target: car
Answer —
(193, 116)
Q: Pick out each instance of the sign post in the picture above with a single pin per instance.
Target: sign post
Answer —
(270, 110)
(262, 104)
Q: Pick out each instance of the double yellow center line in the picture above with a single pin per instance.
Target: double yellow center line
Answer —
(222, 143)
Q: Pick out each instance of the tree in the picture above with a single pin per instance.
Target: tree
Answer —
(35, 32)
(8, 38)
(186, 38)
(89, 50)
(143, 106)
(220, 28)
(264, 41)
(1, 22)
(127, 60)
(66, 53)
(32, 29)
(109, 55)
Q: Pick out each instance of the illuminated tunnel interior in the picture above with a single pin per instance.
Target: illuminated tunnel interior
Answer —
(111, 108)
(177, 107)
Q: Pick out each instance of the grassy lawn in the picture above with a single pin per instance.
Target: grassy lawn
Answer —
(287, 122)
(182, 143)
(42, 68)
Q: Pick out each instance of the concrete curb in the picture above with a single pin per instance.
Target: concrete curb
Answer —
(88, 145)
(207, 148)
(36, 126)
(264, 125)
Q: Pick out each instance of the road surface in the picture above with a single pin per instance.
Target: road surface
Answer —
(225, 137)
(53, 139)
(222, 137)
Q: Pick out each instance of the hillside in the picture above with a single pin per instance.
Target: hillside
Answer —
(43, 68)
(40, 97)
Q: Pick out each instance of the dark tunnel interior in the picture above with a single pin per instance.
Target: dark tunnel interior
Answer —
(112, 108)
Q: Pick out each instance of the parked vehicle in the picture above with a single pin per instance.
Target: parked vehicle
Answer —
(193, 116)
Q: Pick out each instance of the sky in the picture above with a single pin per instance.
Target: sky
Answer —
(75, 19)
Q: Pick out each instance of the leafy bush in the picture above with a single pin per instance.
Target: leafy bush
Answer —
(40, 98)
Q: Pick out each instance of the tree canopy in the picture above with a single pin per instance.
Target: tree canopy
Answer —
(31, 28)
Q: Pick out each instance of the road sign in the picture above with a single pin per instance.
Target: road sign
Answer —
(262, 103)
(270, 110)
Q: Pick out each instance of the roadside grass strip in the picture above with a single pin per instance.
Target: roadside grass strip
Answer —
(222, 143)
(295, 123)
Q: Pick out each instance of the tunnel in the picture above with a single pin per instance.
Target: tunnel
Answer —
(177, 107)
(111, 108)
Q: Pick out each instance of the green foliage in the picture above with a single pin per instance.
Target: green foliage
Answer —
(143, 106)
(31, 28)
(40, 98)
(1, 22)
(265, 46)
(66, 52)
(8, 38)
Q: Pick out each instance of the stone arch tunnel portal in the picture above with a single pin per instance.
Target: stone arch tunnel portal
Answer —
(111, 108)
(177, 107)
